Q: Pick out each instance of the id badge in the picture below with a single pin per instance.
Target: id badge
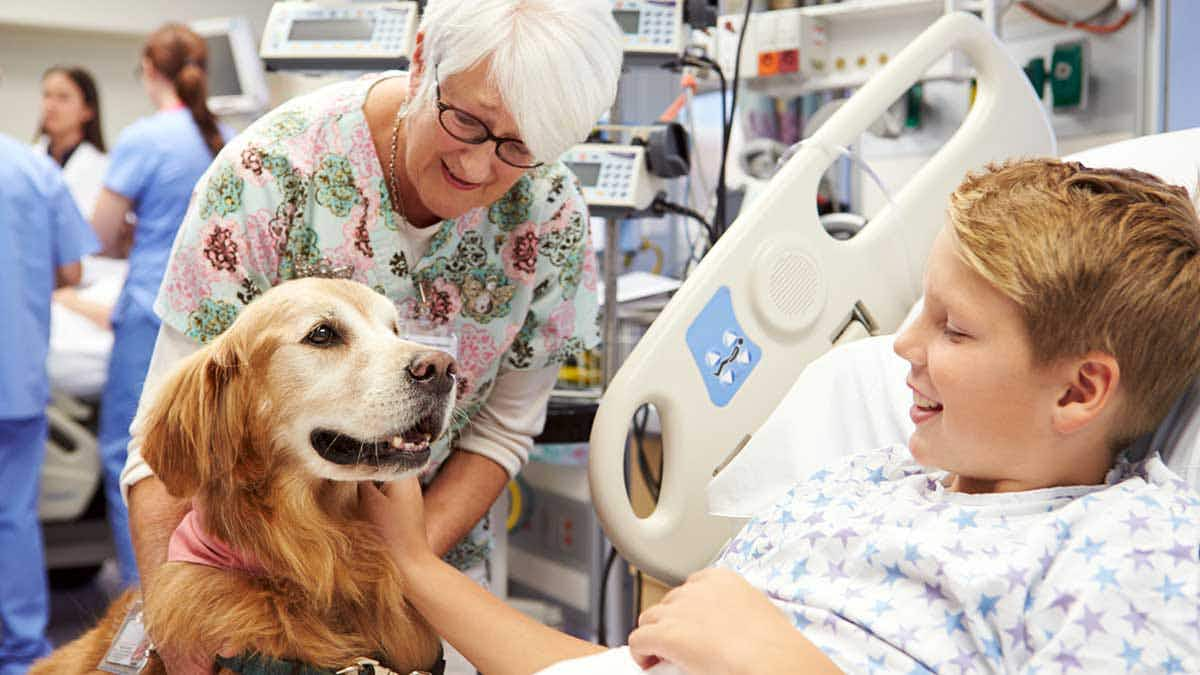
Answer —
(427, 333)
(131, 647)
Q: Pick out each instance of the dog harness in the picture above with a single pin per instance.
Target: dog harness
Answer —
(191, 543)
(253, 663)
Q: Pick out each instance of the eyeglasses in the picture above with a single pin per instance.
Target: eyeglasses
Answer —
(465, 127)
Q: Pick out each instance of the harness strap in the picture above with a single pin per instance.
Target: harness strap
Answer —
(253, 663)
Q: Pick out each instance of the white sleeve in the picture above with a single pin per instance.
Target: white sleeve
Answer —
(514, 413)
(612, 662)
(171, 347)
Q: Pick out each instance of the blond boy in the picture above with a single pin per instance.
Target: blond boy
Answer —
(1059, 323)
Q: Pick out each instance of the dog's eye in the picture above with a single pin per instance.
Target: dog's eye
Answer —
(322, 336)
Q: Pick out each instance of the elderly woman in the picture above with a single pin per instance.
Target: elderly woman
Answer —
(440, 188)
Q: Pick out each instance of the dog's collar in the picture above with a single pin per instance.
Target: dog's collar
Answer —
(253, 663)
(191, 543)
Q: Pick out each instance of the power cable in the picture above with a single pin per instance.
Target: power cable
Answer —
(661, 206)
(601, 624)
(1095, 29)
(721, 223)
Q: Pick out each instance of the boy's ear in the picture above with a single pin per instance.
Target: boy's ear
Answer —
(1091, 389)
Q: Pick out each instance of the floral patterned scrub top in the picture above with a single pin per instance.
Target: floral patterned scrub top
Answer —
(303, 188)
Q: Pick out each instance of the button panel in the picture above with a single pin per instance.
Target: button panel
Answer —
(616, 179)
(391, 29)
(659, 24)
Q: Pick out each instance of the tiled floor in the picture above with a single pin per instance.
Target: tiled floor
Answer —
(74, 610)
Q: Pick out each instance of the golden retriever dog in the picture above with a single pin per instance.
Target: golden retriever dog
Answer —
(267, 431)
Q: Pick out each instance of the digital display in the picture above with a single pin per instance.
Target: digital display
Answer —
(332, 30)
(588, 173)
(222, 71)
(628, 19)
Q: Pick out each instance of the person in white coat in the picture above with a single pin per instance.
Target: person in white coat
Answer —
(69, 132)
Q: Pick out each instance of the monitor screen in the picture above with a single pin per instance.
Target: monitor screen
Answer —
(222, 71)
(332, 30)
(588, 173)
(627, 19)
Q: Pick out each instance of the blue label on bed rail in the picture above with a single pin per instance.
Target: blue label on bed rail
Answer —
(721, 349)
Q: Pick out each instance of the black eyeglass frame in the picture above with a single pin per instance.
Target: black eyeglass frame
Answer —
(444, 108)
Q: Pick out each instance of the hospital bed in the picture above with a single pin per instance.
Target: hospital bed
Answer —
(777, 292)
(70, 500)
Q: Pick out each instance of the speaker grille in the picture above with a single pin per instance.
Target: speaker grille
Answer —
(792, 284)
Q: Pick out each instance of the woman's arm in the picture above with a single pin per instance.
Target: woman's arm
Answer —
(494, 637)
(95, 312)
(492, 449)
(69, 274)
(464, 489)
(110, 221)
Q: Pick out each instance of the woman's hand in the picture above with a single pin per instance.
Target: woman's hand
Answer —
(716, 622)
(398, 510)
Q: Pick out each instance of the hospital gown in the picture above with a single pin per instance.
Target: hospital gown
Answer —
(886, 571)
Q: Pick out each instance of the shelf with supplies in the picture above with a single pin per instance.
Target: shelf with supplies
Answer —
(789, 52)
(641, 297)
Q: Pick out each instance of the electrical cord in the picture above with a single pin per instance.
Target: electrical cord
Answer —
(1096, 29)
(721, 223)
(641, 417)
(702, 61)
(601, 624)
(637, 598)
(653, 482)
(661, 206)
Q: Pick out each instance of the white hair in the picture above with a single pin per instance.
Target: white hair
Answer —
(555, 62)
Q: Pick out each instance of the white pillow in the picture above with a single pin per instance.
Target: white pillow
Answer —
(1173, 157)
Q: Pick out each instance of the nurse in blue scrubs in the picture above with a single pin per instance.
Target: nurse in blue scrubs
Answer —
(42, 238)
(153, 167)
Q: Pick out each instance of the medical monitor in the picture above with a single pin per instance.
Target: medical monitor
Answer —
(339, 35)
(237, 82)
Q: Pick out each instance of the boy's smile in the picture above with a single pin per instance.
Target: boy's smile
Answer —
(923, 407)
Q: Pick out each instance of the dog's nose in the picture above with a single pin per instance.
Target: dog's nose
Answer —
(432, 367)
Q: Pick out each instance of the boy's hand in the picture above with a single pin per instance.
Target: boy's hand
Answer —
(398, 510)
(716, 622)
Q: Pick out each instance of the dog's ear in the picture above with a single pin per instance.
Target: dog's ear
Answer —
(194, 427)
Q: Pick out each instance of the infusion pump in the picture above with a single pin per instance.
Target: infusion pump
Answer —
(650, 27)
(339, 35)
(614, 178)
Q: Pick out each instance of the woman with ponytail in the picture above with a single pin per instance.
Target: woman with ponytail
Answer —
(154, 167)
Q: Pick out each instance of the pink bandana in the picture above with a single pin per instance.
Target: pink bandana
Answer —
(191, 544)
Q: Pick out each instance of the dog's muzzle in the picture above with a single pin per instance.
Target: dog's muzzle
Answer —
(402, 451)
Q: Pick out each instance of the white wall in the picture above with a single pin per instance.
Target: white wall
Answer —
(131, 17)
(104, 36)
(25, 53)
(1183, 52)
